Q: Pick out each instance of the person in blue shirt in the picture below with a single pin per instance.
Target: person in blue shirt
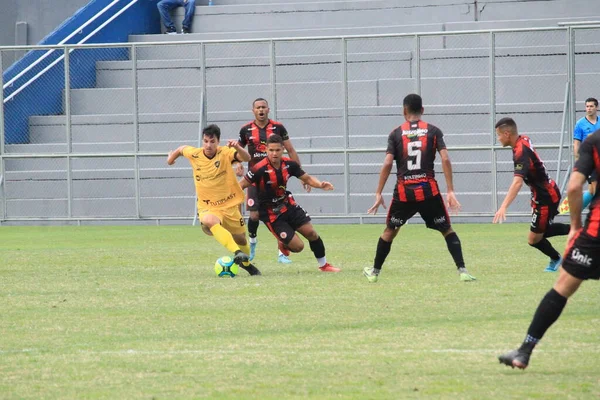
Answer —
(584, 127)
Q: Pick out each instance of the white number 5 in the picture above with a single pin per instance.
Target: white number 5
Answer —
(414, 150)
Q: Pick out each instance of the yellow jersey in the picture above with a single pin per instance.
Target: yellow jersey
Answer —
(216, 185)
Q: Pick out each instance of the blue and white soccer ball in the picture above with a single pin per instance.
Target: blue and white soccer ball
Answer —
(225, 266)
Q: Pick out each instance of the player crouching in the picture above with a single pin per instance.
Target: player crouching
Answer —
(277, 207)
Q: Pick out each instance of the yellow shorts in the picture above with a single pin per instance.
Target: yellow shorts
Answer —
(231, 218)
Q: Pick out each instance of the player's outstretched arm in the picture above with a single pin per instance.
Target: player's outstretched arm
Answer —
(314, 182)
(173, 155)
(242, 154)
(386, 168)
(513, 191)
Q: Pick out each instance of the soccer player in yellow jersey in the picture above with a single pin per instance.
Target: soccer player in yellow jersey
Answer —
(218, 192)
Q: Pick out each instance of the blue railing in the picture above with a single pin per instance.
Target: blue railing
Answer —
(34, 85)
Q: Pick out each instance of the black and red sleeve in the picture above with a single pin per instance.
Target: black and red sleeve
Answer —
(521, 159)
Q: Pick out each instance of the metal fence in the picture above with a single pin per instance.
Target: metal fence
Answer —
(84, 132)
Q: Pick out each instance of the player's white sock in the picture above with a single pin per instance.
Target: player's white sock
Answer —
(280, 253)
(322, 261)
(253, 240)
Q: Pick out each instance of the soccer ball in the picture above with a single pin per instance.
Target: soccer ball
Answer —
(225, 266)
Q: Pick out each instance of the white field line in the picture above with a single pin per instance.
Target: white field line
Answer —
(133, 352)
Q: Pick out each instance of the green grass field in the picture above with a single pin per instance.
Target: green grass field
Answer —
(137, 313)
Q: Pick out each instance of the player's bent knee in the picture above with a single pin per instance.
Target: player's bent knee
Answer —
(206, 230)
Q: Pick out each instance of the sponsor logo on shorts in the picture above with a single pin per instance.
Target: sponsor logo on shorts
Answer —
(439, 220)
(283, 235)
(396, 221)
(250, 202)
(581, 258)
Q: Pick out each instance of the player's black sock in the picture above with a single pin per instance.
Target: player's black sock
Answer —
(557, 230)
(546, 247)
(317, 247)
(546, 314)
(455, 249)
(383, 249)
(252, 227)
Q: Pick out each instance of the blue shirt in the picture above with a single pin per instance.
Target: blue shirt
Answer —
(584, 127)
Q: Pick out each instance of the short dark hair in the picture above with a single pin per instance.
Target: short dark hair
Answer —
(275, 139)
(212, 131)
(593, 100)
(259, 99)
(414, 103)
(507, 121)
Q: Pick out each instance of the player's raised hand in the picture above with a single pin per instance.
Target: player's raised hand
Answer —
(500, 216)
(453, 204)
(378, 202)
(239, 169)
(326, 186)
(233, 143)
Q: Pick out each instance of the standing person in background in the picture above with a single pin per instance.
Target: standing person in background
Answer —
(583, 128)
(164, 9)
(413, 145)
(545, 194)
(218, 192)
(254, 135)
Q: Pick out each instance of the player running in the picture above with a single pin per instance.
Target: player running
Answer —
(219, 195)
(545, 194)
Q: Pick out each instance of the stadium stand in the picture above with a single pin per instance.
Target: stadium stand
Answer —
(530, 73)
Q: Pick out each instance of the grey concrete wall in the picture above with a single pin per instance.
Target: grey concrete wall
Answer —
(41, 16)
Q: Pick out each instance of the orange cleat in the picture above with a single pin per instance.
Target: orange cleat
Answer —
(329, 268)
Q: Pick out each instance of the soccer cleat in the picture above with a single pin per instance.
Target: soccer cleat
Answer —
(553, 265)
(251, 269)
(370, 274)
(240, 258)
(252, 251)
(564, 208)
(515, 358)
(283, 259)
(465, 276)
(329, 268)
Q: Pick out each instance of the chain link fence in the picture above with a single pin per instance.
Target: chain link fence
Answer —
(85, 131)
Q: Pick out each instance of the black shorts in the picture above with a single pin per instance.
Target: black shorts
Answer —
(284, 227)
(252, 198)
(593, 177)
(542, 216)
(582, 256)
(433, 211)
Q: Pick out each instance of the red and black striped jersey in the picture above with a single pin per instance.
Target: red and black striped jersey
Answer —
(414, 145)
(256, 138)
(271, 182)
(530, 167)
(589, 162)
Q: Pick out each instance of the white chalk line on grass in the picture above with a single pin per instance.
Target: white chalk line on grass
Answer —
(134, 352)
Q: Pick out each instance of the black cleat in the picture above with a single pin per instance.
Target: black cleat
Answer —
(240, 258)
(516, 358)
(251, 269)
